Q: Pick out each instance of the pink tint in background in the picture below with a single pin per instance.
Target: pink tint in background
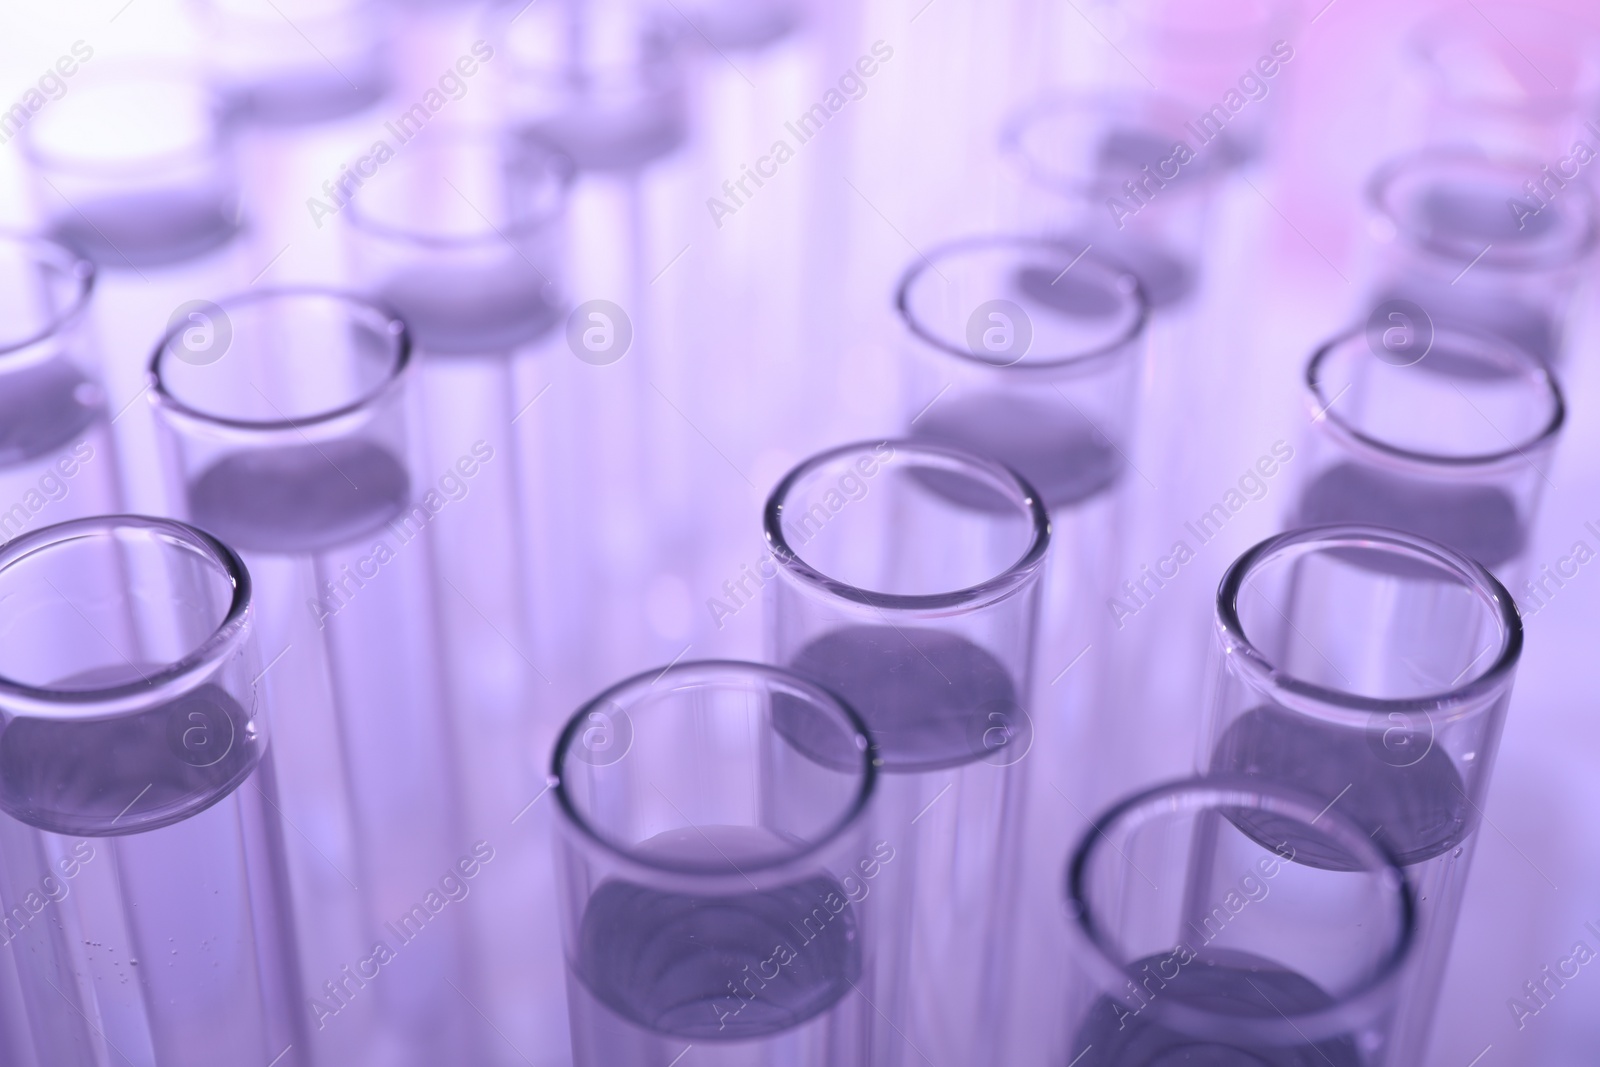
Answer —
(768, 334)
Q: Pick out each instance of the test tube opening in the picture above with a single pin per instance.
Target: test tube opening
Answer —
(290, 403)
(1202, 941)
(461, 235)
(122, 675)
(703, 829)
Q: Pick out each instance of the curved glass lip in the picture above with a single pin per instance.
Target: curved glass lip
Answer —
(213, 146)
(396, 327)
(1291, 692)
(163, 684)
(1557, 256)
(1104, 352)
(1096, 104)
(698, 674)
(54, 253)
(1213, 793)
(1430, 32)
(988, 591)
(560, 166)
(1323, 405)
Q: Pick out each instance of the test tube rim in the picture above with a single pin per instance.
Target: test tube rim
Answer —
(1567, 254)
(170, 680)
(1475, 695)
(991, 590)
(1323, 409)
(75, 265)
(1082, 362)
(697, 673)
(214, 145)
(561, 165)
(393, 325)
(1211, 792)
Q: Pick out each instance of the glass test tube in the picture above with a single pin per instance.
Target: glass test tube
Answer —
(1496, 244)
(291, 443)
(1470, 475)
(1201, 939)
(462, 236)
(147, 913)
(57, 460)
(1029, 351)
(721, 886)
(135, 169)
(1370, 669)
(907, 580)
(1511, 79)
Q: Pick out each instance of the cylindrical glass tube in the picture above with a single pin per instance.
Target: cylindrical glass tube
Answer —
(1496, 244)
(1469, 475)
(906, 578)
(293, 446)
(1370, 669)
(1201, 938)
(147, 912)
(720, 882)
(1507, 78)
(462, 235)
(57, 460)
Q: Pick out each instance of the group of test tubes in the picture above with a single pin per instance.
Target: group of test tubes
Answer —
(350, 713)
